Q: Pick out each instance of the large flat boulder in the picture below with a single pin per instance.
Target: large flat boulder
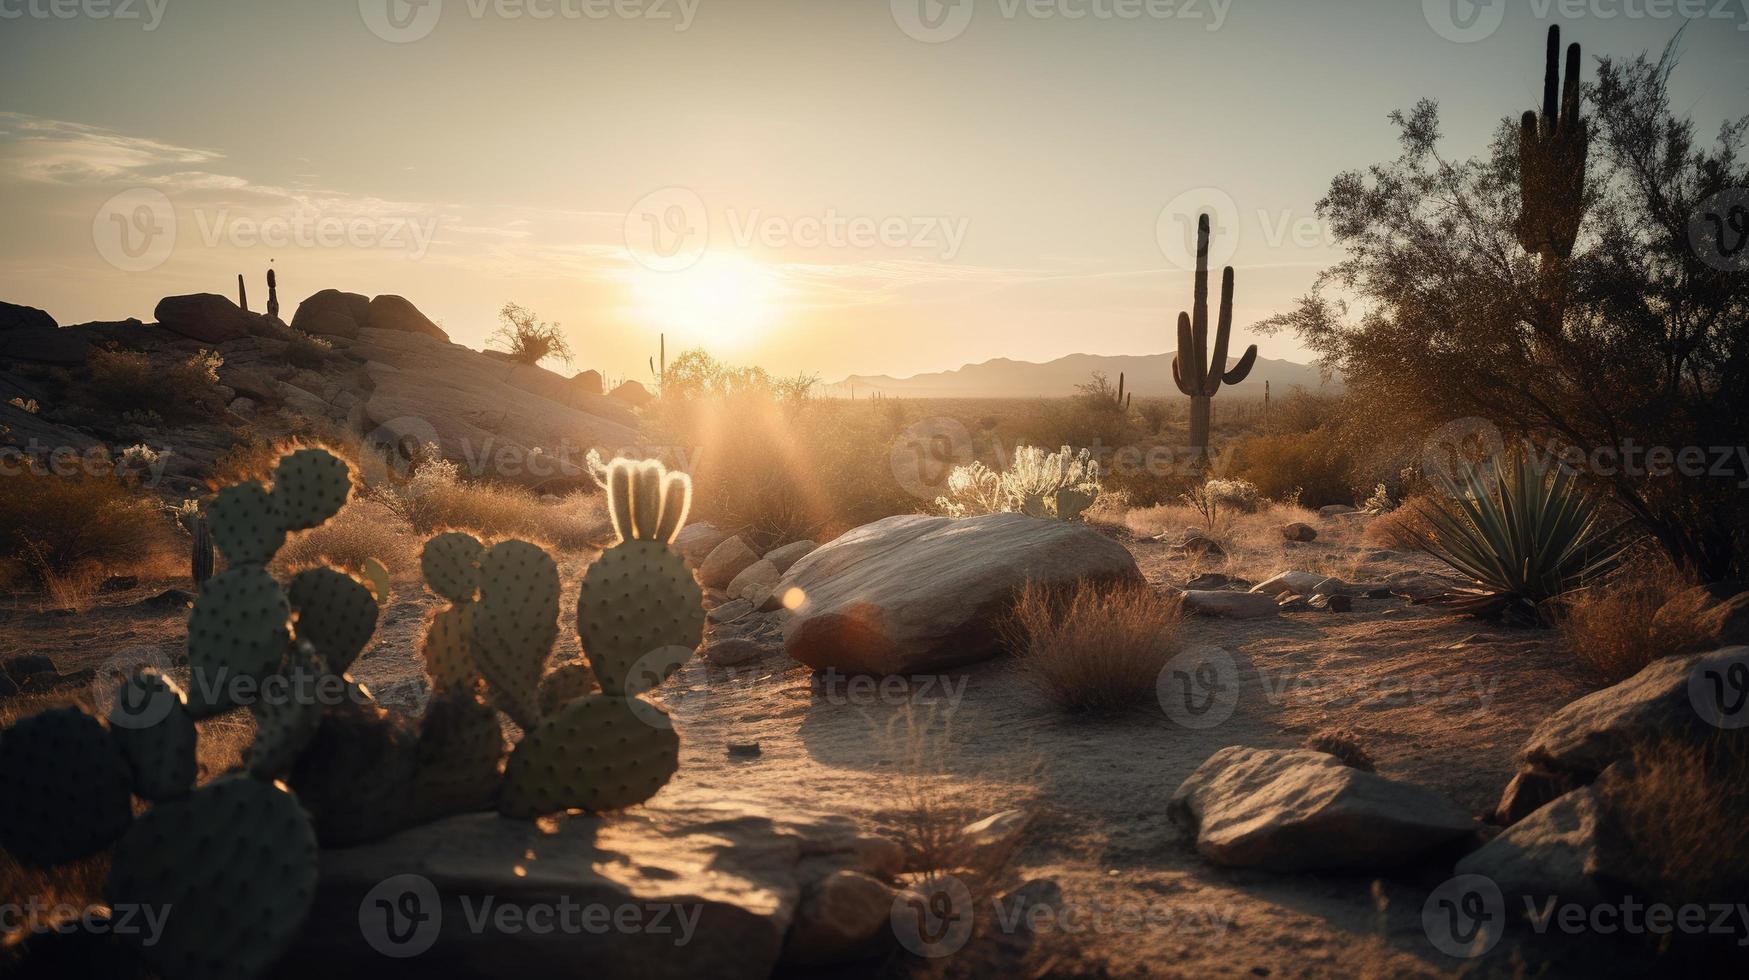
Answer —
(1302, 810)
(16, 317)
(484, 414)
(1660, 702)
(206, 317)
(391, 312)
(700, 889)
(915, 594)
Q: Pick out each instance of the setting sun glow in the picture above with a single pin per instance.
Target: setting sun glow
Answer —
(720, 299)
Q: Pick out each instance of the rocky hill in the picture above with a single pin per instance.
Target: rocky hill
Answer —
(1144, 374)
(348, 366)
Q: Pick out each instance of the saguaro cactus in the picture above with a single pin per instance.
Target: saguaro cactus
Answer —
(1551, 161)
(272, 295)
(1197, 373)
(242, 294)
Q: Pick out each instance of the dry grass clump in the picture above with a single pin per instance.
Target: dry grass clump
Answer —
(128, 381)
(1098, 649)
(1610, 627)
(65, 534)
(1404, 529)
(1680, 809)
(1312, 464)
(364, 528)
(430, 504)
(256, 458)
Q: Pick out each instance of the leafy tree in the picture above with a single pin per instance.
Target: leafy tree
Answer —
(1639, 339)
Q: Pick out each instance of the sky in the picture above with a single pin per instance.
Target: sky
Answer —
(822, 186)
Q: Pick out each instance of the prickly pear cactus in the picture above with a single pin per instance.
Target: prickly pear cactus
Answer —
(451, 563)
(65, 791)
(149, 722)
(234, 862)
(596, 753)
(640, 611)
(461, 758)
(567, 683)
(356, 776)
(336, 613)
(240, 626)
(449, 650)
(247, 524)
(285, 726)
(516, 621)
(310, 485)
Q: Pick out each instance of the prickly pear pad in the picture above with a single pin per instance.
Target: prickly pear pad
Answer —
(637, 601)
(240, 626)
(448, 651)
(451, 563)
(64, 788)
(461, 758)
(595, 753)
(246, 524)
(335, 612)
(149, 722)
(515, 623)
(310, 485)
(233, 866)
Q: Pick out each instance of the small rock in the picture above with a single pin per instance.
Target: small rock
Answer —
(755, 582)
(1335, 510)
(26, 664)
(726, 561)
(843, 917)
(789, 554)
(1337, 603)
(1298, 583)
(734, 651)
(696, 541)
(243, 406)
(1208, 580)
(1557, 850)
(992, 835)
(743, 750)
(1530, 790)
(1195, 542)
(729, 611)
(1230, 605)
(167, 599)
(1299, 532)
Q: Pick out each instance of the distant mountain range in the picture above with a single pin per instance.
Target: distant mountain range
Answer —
(1144, 374)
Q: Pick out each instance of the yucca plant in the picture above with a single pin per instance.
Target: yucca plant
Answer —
(1524, 531)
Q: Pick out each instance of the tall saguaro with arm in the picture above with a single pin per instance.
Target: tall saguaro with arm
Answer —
(1552, 149)
(1198, 373)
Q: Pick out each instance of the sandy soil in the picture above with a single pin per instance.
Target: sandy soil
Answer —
(1438, 700)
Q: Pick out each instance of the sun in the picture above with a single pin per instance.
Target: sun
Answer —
(720, 299)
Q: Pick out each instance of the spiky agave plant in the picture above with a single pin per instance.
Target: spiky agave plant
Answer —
(1523, 530)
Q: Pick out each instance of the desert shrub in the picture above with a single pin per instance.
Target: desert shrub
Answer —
(434, 497)
(1680, 809)
(1098, 648)
(64, 533)
(1609, 627)
(1523, 531)
(128, 381)
(364, 528)
(1029, 485)
(1343, 744)
(255, 458)
(307, 352)
(528, 340)
(1404, 529)
(1313, 462)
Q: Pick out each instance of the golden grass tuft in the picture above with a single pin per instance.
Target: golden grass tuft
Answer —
(1680, 809)
(1098, 649)
(1609, 628)
(65, 534)
(364, 528)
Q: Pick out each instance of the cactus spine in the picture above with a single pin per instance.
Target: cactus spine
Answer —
(1551, 157)
(1198, 371)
